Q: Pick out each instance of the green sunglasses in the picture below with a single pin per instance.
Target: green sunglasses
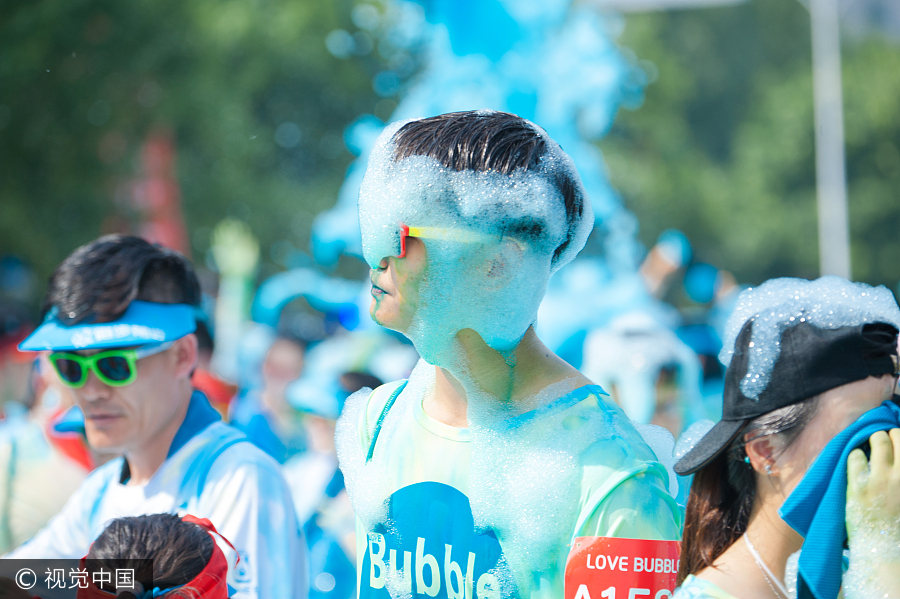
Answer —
(114, 367)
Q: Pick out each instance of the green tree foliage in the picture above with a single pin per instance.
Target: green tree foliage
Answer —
(253, 99)
(723, 147)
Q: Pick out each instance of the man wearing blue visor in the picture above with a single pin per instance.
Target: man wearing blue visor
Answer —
(119, 329)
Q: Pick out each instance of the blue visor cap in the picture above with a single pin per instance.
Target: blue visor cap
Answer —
(142, 323)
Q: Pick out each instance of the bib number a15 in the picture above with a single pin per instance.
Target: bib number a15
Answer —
(611, 568)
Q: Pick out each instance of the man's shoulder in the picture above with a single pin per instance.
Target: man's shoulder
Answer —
(226, 460)
(217, 451)
(230, 444)
(608, 443)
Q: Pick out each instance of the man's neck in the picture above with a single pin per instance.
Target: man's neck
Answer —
(511, 382)
(145, 461)
(447, 403)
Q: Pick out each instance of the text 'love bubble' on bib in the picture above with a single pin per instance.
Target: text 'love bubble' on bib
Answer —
(611, 568)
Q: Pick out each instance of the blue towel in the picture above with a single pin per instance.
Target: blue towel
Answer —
(816, 508)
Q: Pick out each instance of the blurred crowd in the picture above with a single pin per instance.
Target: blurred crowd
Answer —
(278, 362)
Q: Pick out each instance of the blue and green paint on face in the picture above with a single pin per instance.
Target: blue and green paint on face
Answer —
(477, 278)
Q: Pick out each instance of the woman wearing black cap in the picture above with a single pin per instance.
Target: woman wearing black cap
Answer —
(809, 360)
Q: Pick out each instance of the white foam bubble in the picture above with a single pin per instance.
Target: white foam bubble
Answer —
(524, 491)
(791, 569)
(662, 443)
(365, 488)
(874, 563)
(481, 200)
(399, 583)
(691, 436)
(526, 473)
(874, 571)
(828, 303)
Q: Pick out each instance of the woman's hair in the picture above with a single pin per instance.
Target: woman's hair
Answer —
(723, 491)
(163, 550)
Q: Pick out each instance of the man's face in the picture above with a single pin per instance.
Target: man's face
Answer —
(443, 286)
(396, 284)
(136, 418)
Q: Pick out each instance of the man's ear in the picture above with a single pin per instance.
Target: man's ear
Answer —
(761, 451)
(504, 262)
(186, 355)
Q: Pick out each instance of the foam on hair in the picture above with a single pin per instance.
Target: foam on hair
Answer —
(495, 201)
(828, 303)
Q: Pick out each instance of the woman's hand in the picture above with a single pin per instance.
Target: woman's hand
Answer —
(873, 518)
(873, 486)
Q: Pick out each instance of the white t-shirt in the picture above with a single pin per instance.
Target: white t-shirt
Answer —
(308, 476)
(213, 472)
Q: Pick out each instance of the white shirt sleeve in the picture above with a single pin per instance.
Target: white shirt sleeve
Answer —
(248, 500)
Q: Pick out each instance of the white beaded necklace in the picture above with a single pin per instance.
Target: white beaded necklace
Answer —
(780, 591)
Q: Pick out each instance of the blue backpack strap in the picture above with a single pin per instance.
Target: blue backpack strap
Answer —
(117, 466)
(384, 411)
(195, 477)
(335, 485)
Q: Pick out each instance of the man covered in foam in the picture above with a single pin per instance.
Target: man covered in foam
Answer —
(473, 478)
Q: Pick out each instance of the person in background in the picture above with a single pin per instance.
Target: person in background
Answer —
(264, 414)
(649, 372)
(39, 469)
(14, 366)
(317, 484)
(219, 392)
(120, 316)
(811, 370)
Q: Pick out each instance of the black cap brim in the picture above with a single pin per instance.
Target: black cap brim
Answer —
(712, 444)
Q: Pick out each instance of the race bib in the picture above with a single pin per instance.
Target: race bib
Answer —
(611, 568)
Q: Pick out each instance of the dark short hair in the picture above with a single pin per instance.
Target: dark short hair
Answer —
(99, 280)
(179, 550)
(291, 335)
(483, 141)
(355, 380)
